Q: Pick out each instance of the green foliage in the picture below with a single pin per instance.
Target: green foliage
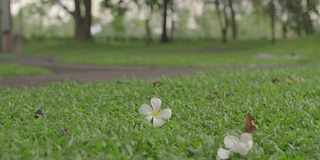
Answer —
(104, 122)
(7, 70)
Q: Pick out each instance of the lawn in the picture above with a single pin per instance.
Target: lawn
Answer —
(104, 122)
(179, 53)
(12, 69)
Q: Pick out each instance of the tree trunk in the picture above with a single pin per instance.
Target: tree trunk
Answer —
(81, 30)
(172, 21)
(284, 29)
(172, 30)
(224, 23)
(149, 38)
(224, 35)
(82, 23)
(307, 22)
(233, 21)
(272, 17)
(147, 24)
(164, 36)
(226, 26)
(87, 20)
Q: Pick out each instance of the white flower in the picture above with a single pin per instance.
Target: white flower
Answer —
(153, 113)
(242, 145)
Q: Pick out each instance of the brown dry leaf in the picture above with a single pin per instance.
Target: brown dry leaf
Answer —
(292, 79)
(38, 113)
(214, 95)
(301, 79)
(64, 131)
(213, 124)
(229, 94)
(275, 80)
(250, 128)
(156, 83)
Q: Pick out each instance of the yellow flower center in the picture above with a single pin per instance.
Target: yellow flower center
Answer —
(154, 114)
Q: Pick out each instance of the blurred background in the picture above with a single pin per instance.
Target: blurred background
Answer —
(155, 20)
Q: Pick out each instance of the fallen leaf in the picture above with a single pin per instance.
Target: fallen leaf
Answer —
(214, 95)
(64, 131)
(275, 80)
(213, 124)
(292, 79)
(250, 128)
(156, 83)
(301, 79)
(38, 113)
(229, 94)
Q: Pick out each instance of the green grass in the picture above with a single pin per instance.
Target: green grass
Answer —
(180, 53)
(104, 122)
(11, 69)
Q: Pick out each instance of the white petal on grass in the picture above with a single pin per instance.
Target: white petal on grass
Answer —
(230, 141)
(240, 148)
(148, 117)
(250, 144)
(223, 153)
(155, 103)
(157, 122)
(145, 109)
(246, 138)
(165, 114)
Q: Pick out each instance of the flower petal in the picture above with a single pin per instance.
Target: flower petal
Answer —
(250, 144)
(148, 117)
(230, 141)
(145, 109)
(157, 122)
(165, 114)
(223, 153)
(246, 138)
(155, 103)
(240, 148)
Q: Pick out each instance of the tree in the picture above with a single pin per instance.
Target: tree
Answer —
(284, 18)
(150, 5)
(307, 22)
(221, 8)
(82, 19)
(233, 20)
(164, 36)
(149, 8)
(272, 17)
(296, 15)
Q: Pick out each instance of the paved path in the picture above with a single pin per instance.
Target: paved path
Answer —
(87, 73)
(95, 73)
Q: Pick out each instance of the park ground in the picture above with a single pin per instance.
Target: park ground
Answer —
(277, 84)
(58, 60)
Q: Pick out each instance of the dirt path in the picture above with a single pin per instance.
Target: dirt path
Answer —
(94, 73)
(87, 73)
